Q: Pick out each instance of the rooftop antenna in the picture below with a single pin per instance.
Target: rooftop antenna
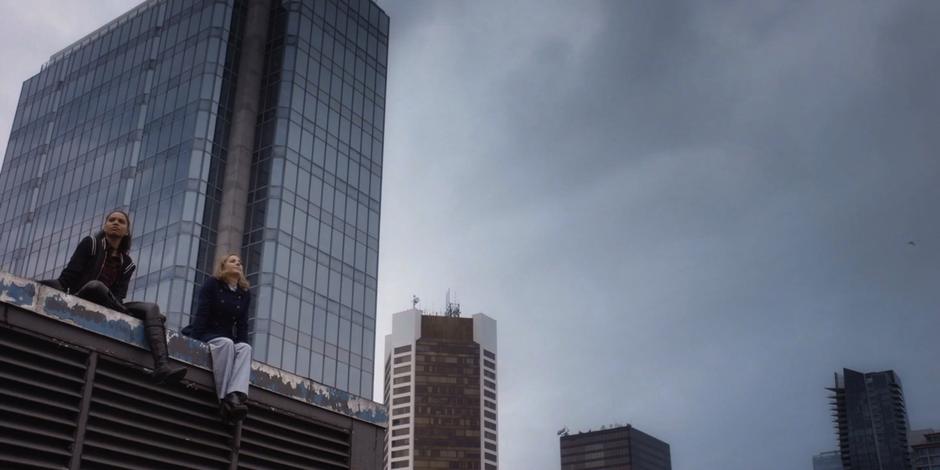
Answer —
(414, 302)
(451, 309)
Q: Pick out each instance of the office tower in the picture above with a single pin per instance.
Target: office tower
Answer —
(925, 448)
(871, 421)
(614, 448)
(831, 460)
(440, 386)
(247, 126)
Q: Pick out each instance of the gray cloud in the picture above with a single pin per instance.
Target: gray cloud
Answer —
(685, 215)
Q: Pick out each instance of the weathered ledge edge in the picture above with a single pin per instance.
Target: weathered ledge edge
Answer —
(52, 303)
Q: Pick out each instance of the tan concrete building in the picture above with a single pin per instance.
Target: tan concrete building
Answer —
(440, 387)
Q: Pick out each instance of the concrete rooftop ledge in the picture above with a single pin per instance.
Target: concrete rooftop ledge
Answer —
(55, 304)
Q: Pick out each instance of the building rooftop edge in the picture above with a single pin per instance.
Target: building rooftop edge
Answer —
(98, 32)
(120, 20)
(41, 300)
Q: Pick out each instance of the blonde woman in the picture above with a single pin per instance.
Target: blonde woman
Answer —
(222, 321)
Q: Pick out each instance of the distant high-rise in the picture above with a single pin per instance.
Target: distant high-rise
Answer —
(440, 387)
(246, 126)
(871, 420)
(831, 460)
(926, 451)
(614, 448)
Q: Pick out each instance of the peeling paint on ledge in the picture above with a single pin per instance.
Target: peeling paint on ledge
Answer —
(294, 386)
(52, 303)
(91, 316)
(16, 291)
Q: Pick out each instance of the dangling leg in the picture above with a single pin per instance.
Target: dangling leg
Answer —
(156, 336)
(223, 370)
(238, 384)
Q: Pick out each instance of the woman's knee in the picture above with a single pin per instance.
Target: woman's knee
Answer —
(94, 286)
(147, 311)
(243, 348)
(96, 292)
(153, 314)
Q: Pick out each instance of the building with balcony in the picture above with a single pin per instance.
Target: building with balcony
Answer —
(871, 420)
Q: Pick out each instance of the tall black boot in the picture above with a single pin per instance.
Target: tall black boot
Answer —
(162, 371)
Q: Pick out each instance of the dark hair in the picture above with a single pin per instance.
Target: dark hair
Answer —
(125, 245)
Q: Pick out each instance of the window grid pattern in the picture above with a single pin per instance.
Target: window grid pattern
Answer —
(133, 116)
(447, 395)
(314, 200)
(927, 456)
(399, 393)
(489, 413)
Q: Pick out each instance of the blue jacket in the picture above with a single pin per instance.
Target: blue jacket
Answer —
(221, 312)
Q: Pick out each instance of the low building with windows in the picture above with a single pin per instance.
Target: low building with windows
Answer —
(440, 388)
(831, 460)
(614, 448)
(925, 450)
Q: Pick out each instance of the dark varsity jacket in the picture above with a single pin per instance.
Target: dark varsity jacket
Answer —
(86, 264)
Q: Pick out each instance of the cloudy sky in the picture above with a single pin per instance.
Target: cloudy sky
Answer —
(683, 215)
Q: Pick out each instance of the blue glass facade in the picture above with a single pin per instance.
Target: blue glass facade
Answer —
(131, 116)
(313, 224)
(136, 115)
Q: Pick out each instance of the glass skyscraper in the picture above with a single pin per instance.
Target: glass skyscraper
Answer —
(170, 112)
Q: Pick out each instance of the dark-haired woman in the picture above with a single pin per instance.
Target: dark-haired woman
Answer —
(222, 321)
(100, 270)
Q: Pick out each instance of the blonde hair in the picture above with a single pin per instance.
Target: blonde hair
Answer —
(242, 281)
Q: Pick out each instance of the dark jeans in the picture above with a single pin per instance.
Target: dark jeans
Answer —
(97, 292)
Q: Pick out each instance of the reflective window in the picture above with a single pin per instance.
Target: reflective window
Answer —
(132, 118)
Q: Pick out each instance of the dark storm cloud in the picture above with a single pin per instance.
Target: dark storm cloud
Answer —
(684, 215)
